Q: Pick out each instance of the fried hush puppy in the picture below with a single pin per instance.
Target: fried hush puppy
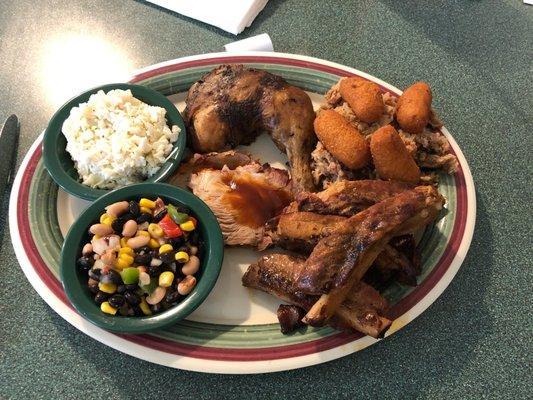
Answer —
(342, 139)
(413, 110)
(391, 158)
(364, 98)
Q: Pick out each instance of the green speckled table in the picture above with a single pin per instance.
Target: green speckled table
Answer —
(473, 342)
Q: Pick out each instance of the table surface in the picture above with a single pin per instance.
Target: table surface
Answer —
(473, 342)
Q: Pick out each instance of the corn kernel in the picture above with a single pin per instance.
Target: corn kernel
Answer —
(108, 221)
(181, 257)
(166, 278)
(147, 203)
(145, 308)
(155, 230)
(123, 242)
(121, 264)
(187, 226)
(126, 257)
(103, 217)
(153, 244)
(107, 308)
(126, 250)
(107, 287)
(142, 233)
(165, 248)
(146, 210)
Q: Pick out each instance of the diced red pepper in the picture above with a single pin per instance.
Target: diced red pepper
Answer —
(170, 228)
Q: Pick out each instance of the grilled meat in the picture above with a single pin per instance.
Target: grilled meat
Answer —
(243, 199)
(276, 274)
(232, 105)
(340, 260)
(290, 318)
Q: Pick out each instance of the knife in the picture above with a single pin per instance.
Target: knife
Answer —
(9, 136)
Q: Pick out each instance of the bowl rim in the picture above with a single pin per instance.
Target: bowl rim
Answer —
(53, 133)
(211, 262)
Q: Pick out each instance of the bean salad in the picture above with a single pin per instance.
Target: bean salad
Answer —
(142, 257)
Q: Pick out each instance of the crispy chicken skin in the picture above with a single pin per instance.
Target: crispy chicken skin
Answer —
(362, 310)
(232, 105)
(340, 260)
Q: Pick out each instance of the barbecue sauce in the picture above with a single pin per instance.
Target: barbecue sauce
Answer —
(255, 200)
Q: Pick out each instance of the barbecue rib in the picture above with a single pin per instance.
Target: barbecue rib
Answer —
(276, 274)
(232, 105)
(341, 259)
(348, 197)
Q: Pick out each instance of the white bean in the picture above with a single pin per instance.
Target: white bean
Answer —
(130, 228)
(138, 241)
(192, 266)
(186, 285)
(117, 209)
(87, 249)
(100, 229)
(156, 296)
(193, 250)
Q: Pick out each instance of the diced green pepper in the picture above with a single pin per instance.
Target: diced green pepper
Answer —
(130, 275)
(150, 287)
(177, 217)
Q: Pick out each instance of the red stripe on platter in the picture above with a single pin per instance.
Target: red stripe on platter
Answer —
(260, 354)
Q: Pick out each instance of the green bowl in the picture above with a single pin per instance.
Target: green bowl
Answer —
(59, 163)
(75, 282)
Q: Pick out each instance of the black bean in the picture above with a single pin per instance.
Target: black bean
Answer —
(134, 208)
(194, 238)
(165, 304)
(144, 217)
(143, 259)
(159, 216)
(137, 311)
(168, 258)
(144, 250)
(184, 248)
(118, 225)
(117, 300)
(100, 297)
(177, 242)
(132, 298)
(126, 217)
(93, 286)
(153, 270)
(131, 287)
(155, 308)
(121, 289)
(126, 311)
(111, 277)
(94, 274)
(172, 296)
(85, 263)
(183, 209)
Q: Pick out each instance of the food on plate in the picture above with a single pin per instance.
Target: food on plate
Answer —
(364, 97)
(364, 309)
(391, 158)
(340, 260)
(429, 148)
(143, 257)
(232, 105)
(342, 139)
(243, 199)
(414, 107)
(197, 162)
(290, 318)
(116, 139)
(348, 197)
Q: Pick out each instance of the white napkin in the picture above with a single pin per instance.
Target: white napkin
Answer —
(260, 42)
(230, 15)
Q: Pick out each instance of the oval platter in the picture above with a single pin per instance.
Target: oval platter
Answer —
(235, 329)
